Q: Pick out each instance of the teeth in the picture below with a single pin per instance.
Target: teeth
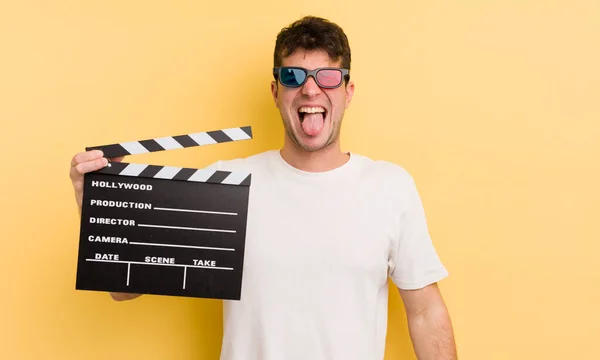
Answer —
(311, 110)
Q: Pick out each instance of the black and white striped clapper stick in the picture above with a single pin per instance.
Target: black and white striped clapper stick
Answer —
(172, 143)
(175, 142)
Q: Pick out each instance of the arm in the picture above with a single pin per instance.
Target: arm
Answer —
(429, 324)
(123, 296)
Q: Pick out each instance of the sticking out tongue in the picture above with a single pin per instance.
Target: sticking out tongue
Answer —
(313, 123)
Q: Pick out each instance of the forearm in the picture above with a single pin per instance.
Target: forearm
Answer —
(432, 335)
(123, 296)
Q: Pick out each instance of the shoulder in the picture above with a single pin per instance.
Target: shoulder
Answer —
(394, 183)
(385, 173)
(250, 163)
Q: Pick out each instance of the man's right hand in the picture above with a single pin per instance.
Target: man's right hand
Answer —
(82, 163)
(85, 162)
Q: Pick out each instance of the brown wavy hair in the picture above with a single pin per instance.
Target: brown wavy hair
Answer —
(313, 33)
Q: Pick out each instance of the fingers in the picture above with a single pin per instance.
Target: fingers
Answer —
(86, 156)
(86, 162)
(91, 165)
(89, 161)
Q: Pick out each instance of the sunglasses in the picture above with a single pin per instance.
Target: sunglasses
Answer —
(328, 78)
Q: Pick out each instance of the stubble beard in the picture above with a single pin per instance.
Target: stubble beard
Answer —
(333, 136)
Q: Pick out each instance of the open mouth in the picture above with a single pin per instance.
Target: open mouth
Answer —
(312, 119)
(304, 110)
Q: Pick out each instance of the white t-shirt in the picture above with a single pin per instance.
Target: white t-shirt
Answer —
(319, 250)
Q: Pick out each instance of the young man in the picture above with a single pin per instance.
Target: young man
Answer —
(326, 228)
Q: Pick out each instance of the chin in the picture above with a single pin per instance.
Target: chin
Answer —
(300, 140)
(313, 144)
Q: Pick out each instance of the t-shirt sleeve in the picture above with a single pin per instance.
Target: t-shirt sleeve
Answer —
(236, 164)
(414, 262)
(217, 165)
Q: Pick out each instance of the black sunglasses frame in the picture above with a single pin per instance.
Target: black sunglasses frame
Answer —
(309, 73)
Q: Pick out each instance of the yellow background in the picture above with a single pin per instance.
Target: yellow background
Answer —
(493, 106)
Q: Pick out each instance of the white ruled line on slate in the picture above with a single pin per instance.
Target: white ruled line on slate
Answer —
(181, 246)
(184, 276)
(157, 264)
(196, 211)
(185, 228)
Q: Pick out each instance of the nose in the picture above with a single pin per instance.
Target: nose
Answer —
(310, 87)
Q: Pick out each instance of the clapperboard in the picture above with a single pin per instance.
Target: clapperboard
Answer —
(164, 230)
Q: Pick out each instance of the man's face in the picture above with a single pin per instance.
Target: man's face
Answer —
(312, 116)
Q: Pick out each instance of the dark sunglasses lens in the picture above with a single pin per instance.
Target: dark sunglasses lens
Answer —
(330, 78)
(292, 77)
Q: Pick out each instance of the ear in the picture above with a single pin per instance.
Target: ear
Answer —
(349, 92)
(274, 90)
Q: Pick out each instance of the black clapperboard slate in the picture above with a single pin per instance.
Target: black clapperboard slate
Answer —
(164, 230)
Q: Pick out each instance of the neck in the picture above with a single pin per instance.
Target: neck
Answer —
(325, 159)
